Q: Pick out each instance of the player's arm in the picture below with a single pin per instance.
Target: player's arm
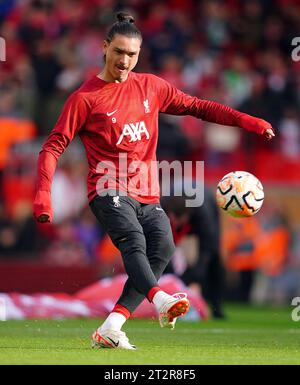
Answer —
(175, 102)
(71, 120)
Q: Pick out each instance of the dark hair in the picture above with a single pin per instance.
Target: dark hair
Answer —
(124, 26)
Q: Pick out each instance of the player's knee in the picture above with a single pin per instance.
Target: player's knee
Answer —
(168, 249)
(132, 243)
(171, 249)
(165, 256)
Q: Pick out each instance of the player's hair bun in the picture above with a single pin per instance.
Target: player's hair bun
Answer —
(125, 25)
(125, 17)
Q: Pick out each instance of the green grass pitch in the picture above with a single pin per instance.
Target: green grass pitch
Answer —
(248, 336)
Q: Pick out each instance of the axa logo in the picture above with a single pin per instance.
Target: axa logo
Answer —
(134, 132)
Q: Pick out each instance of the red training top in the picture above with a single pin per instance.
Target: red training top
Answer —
(122, 118)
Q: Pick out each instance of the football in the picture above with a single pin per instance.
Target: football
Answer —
(240, 194)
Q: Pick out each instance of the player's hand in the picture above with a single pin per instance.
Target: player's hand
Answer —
(42, 210)
(269, 133)
(260, 126)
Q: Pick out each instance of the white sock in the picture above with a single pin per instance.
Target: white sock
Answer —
(160, 298)
(114, 321)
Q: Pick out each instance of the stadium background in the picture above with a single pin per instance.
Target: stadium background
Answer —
(234, 52)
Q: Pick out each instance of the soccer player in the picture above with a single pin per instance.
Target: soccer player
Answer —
(116, 116)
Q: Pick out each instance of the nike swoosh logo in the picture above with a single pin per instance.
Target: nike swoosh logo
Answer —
(159, 209)
(111, 113)
(113, 342)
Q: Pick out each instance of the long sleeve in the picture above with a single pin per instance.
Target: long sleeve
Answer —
(175, 102)
(71, 120)
(46, 167)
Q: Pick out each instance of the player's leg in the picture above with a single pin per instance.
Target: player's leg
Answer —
(119, 217)
(160, 248)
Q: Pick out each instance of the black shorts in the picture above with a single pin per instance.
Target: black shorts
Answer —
(121, 215)
(142, 233)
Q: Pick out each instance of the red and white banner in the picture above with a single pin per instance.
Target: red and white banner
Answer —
(96, 300)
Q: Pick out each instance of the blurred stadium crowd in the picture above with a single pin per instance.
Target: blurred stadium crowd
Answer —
(235, 52)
